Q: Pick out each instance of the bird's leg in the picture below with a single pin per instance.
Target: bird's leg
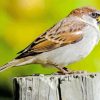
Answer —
(69, 71)
(63, 70)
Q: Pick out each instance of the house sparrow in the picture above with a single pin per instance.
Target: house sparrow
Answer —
(68, 41)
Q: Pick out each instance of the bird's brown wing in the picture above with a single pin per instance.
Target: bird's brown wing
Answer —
(63, 33)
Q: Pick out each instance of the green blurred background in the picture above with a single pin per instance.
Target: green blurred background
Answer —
(21, 21)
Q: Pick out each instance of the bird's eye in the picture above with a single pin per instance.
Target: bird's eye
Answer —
(94, 15)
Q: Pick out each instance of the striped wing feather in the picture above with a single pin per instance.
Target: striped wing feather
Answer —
(63, 33)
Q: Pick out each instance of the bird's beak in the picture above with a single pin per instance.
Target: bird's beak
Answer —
(98, 18)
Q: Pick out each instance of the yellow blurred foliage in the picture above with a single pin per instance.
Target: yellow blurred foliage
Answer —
(26, 8)
(19, 34)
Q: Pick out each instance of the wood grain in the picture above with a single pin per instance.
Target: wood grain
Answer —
(58, 87)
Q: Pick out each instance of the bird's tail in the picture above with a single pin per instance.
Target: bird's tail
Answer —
(17, 62)
(9, 65)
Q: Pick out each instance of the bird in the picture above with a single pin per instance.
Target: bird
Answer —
(68, 41)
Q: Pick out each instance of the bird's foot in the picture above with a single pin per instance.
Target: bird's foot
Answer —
(79, 72)
(64, 71)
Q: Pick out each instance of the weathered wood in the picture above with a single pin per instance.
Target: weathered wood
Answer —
(58, 87)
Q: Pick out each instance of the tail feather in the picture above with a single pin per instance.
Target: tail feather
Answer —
(9, 65)
(17, 62)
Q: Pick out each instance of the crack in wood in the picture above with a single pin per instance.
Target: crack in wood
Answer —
(59, 89)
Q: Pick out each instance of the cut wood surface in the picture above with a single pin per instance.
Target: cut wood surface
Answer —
(58, 87)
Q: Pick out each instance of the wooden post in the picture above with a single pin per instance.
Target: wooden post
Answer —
(58, 87)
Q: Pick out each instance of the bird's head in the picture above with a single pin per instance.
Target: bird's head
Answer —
(87, 14)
